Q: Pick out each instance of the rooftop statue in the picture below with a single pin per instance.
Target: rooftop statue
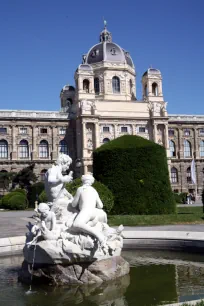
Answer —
(73, 231)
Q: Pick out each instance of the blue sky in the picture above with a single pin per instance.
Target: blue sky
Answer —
(42, 42)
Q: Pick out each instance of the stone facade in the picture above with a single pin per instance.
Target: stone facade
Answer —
(103, 106)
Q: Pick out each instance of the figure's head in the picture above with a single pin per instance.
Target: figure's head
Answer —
(87, 179)
(43, 209)
(64, 161)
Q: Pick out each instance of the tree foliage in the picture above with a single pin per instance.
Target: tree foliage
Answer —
(25, 177)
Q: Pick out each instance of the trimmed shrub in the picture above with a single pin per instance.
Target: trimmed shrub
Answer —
(105, 194)
(33, 193)
(20, 190)
(135, 170)
(6, 198)
(177, 197)
(43, 197)
(18, 202)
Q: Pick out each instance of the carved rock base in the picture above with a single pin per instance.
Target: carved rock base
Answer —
(80, 273)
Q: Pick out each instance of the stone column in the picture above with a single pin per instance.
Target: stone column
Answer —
(14, 146)
(84, 140)
(97, 135)
(115, 130)
(155, 132)
(34, 146)
(54, 143)
(196, 146)
(133, 129)
(166, 136)
(180, 144)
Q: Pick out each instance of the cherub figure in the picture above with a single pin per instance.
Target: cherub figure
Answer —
(46, 224)
(55, 181)
(90, 206)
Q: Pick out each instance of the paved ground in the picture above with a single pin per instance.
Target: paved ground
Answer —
(14, 224)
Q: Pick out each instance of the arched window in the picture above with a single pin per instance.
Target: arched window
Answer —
(187, 149)
(42, 175)
(145, 91)
(63, 147)
(105, 140)
(188, 175)
(43, 149)
(23, 149)
(155, 89)
(86, 86)
(130, 84)
(202, 148)
(3, 149)
(172, 148)
(174, 175)
(116, 84)
(69, 102)
(96, 86)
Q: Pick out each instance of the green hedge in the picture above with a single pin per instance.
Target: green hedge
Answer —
(14, 201)
(104, 193)
(20, 190)
(135, 170)
(18, 202)
(43, 197)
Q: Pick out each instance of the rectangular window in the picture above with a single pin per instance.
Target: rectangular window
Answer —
(106, 129)
(187, 132)
(23, 130)
(23, 152)
(171, 133)
(62, 131)
(124, 129)
(3, 130)
(201, 131)
(43, 131)
(189, 177)
(174, 178)
(141, 129)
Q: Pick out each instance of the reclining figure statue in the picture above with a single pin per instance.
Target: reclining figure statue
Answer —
(89, 204)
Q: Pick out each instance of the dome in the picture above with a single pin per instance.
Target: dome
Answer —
(108, 51)
(68, 88)
(152, 71)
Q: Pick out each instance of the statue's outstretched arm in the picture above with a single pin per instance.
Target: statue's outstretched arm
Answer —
(76, 198)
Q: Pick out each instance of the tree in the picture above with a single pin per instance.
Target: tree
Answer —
(6, 179)
(25, 177)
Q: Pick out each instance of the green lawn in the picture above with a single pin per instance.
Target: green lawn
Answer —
(184, 215)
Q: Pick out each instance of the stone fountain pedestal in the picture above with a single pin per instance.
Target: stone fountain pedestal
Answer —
(71, 242)
(62, 262)
(78, 273)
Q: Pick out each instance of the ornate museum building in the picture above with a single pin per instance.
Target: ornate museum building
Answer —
(101, 107)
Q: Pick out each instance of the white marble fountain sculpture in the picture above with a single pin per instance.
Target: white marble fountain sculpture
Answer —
(71, 241)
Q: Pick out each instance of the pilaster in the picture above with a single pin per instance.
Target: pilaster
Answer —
(54, 143)
(14, 146)
(34, 146)
(97, 135)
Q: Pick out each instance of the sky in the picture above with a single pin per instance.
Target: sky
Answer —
(42, 42)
